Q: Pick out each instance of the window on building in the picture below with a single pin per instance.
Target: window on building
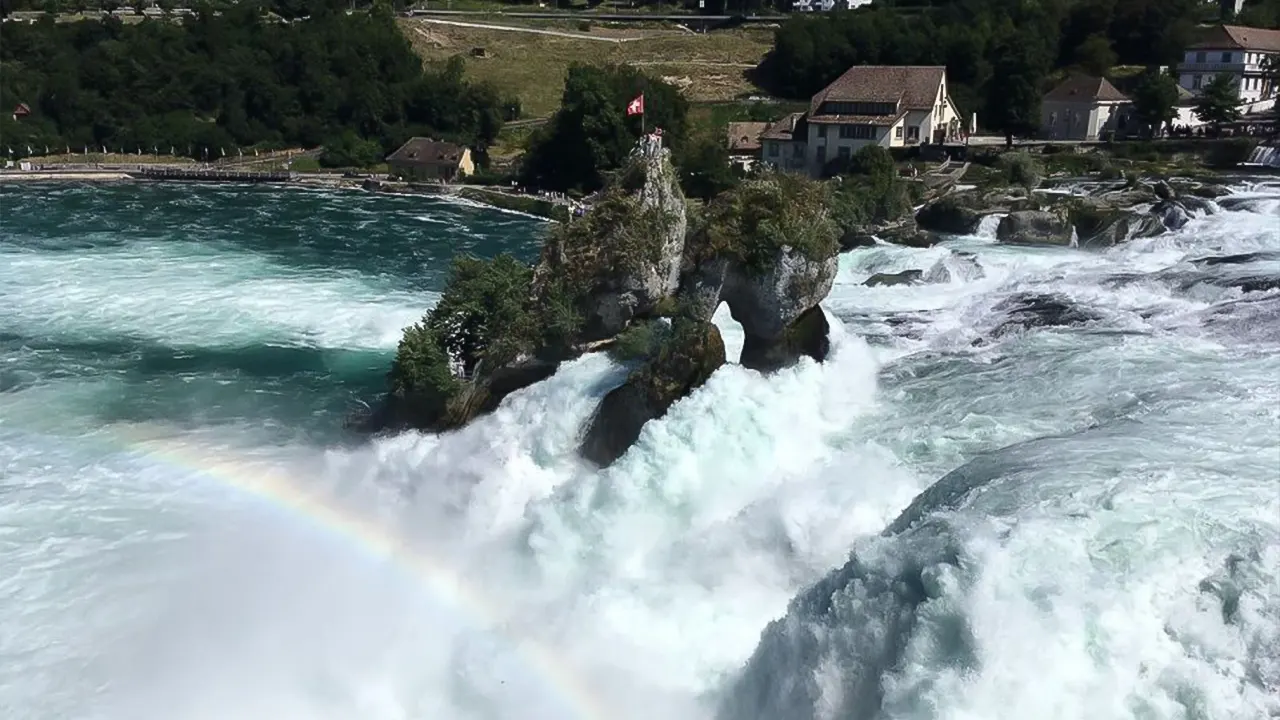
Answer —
(1201, 57)
(822, 131)
(773, 149)
(857, 132)
(913, 133)
(897, 132)
(832, 107)
(1226, 57)
(1195, 81)
(844, 153)
(797, 150)
(822, 154)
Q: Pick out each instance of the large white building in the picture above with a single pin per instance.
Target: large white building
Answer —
(1242, 53)
(886, 105)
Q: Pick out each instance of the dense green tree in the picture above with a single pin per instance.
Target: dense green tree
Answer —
(220, 81)
(1013, 100)
(704, 167)
(1155, 99)
(1260, 13)
(1219, 102)
(591, 134)
(868, 190)
(1095, 56)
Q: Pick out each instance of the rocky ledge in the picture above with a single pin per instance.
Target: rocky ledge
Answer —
(1109, 215)
(640, 276)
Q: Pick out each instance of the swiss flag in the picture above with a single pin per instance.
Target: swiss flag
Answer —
(636, 107)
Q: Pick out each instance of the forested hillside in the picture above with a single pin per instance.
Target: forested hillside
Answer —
(237, 79)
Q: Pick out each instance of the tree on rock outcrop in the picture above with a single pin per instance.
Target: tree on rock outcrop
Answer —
(482, 335)
(868, 193)
(501, 325)
(624, 275)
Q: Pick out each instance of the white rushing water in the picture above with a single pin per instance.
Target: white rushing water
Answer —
(1103, 540)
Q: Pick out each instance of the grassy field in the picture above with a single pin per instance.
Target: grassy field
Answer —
(532, 67)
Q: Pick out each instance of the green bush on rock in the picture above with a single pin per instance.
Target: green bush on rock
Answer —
(484, 313)
(640, 341)
(421, 377)
(752, 222)
(619, 236)
(1021, 169)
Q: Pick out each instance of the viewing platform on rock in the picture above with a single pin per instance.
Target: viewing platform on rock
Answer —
(210, 175)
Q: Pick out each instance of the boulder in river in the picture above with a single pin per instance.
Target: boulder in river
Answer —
(949, 215)
(1030, 310)
(1035, 227)
(906, 277)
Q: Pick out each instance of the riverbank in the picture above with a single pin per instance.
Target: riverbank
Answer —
(539, 206)
(63, 176)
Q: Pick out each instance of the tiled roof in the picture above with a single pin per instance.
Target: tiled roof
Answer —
(745, 136)
(913, 87)
(1078, 88)
(786, 128)
(1240, 37)
(425, 151)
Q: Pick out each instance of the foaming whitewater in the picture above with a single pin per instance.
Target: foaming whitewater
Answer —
(1041, 483)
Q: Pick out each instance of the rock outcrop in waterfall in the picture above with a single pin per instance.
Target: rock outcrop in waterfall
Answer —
(641, 275)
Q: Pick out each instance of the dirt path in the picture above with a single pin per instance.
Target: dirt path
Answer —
(535, 31)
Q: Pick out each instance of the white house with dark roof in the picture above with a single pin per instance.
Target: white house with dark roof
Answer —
(1084, 107)
(783, 145)
(1239, 51)
(890, 106)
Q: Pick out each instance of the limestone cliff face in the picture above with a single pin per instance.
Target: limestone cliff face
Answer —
(624, 256)
(769, 305)
(768, 250)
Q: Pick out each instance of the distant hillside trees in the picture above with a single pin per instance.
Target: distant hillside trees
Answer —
(213, 83)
